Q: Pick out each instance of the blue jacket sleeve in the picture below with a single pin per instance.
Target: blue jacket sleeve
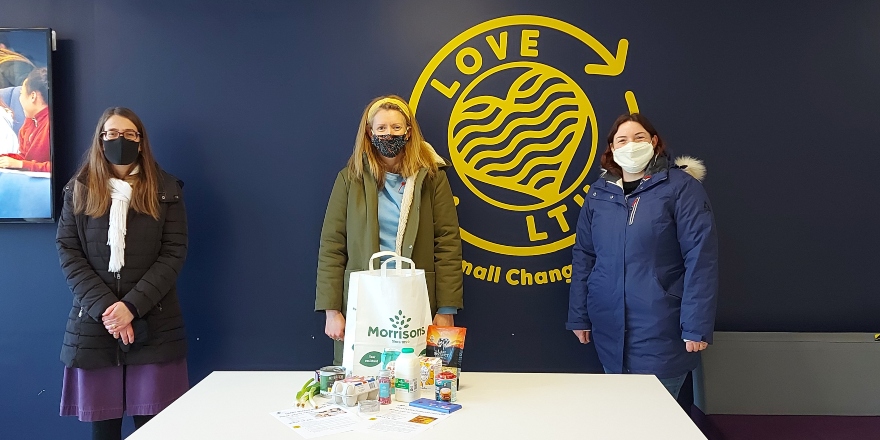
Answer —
(698, 239)
(582, 261)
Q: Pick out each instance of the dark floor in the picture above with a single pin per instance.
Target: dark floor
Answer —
(744, 427)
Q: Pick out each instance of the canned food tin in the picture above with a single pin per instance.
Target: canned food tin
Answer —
(327, 376)
(445, 390)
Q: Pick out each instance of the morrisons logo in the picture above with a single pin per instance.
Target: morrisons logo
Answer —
(399, 326)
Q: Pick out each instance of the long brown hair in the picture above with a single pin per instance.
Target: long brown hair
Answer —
(91, 189)
(415, 155)
(608, 156)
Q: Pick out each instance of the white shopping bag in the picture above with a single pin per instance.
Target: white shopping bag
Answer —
(387, 308)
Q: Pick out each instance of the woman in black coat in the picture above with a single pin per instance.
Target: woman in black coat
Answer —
(122, 241)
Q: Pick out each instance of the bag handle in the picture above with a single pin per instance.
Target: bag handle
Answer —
(378, 255)
(398, 266)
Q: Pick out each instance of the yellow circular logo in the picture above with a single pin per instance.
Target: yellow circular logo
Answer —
(539, 124)
(521, 130)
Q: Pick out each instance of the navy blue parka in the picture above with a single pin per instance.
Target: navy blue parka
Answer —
(645, 270)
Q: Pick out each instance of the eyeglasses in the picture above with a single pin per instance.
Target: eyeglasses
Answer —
(131, 135)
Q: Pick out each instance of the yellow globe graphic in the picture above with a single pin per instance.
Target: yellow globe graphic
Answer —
(524, 141)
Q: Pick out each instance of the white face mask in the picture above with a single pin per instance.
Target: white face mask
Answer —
(634, 156)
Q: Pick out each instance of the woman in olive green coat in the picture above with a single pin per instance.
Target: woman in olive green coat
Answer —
(394, 195)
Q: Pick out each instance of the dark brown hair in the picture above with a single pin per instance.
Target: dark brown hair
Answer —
(91, 189)
(38, 81)
(607, 160)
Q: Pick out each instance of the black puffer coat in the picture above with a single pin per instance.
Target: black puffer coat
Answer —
(154, 254)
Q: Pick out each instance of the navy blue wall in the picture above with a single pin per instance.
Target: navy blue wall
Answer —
(255, 105)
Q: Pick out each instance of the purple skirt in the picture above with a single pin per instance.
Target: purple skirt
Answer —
(107, 393)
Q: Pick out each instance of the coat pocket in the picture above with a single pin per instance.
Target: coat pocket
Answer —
(674, 290)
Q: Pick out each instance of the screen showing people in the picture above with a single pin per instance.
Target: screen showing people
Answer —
(25, 119)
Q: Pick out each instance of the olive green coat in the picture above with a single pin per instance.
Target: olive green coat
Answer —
(350, 235)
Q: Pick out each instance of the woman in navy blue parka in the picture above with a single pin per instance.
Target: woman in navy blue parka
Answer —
(645, 272)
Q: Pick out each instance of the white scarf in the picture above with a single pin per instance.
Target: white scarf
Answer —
(120, 198)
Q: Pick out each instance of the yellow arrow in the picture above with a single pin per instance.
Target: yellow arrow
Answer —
(613, 66)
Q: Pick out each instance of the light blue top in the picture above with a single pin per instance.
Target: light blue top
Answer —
(390, 199)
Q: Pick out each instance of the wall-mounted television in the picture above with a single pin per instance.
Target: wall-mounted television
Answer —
(26, 135)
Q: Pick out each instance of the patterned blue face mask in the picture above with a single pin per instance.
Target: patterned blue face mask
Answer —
(389, 145)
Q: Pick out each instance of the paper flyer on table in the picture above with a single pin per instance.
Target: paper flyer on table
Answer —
(324, 420)
(402, 419)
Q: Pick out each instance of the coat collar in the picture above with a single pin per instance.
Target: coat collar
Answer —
(656, 172)
(169, 186)
(411, 218)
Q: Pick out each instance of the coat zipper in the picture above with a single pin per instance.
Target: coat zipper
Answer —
(623, 254)
(118, 350)
(632, 209)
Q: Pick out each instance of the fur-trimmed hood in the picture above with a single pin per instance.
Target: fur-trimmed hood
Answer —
(689, 164)
(692, 166)
(442, 163)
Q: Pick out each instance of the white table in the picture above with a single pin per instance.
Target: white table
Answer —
(495, 406)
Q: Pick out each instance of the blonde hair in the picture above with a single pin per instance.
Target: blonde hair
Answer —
(93, 196)
(10, 55)
(416, 154)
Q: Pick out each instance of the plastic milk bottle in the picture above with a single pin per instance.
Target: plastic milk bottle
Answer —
(407, 373)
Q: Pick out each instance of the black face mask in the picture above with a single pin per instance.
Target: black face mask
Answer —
(121, 151)
(389, 145)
